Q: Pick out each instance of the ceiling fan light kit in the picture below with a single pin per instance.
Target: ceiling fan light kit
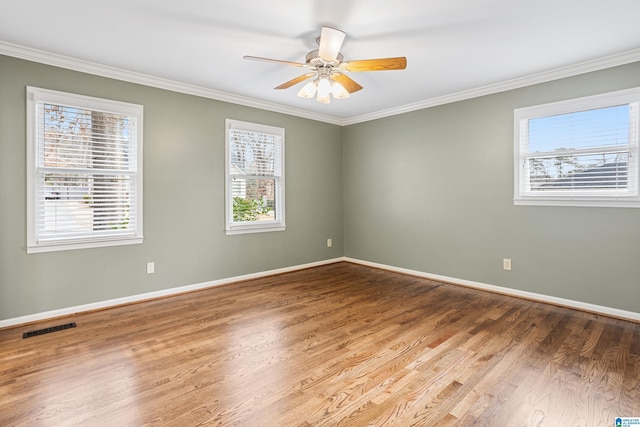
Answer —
(327, 66)
(323, 86)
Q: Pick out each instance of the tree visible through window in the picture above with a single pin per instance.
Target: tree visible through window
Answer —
(579, 152)
(585, 149)
(85, 180)
(255, 178)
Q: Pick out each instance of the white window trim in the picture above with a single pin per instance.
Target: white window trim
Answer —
(279, 224)
(594, 199)
(35, 96)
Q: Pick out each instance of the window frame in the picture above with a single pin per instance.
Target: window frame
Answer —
(523, 195)
(278, 224)
(36, 98)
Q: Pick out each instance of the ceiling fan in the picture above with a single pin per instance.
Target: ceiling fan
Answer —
(328, 67)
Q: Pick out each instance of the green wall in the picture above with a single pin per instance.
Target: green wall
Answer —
(429, 190)
(183, 198)
(432, 191)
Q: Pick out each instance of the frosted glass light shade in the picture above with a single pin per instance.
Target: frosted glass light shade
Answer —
(308, 90)
(324, 87)
(323, 99)
(338, 91)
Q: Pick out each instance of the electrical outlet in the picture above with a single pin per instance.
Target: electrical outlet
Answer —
(329, 243)
(151, 267)
(506, 264)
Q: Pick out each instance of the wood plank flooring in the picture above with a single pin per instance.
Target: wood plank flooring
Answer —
(337, 345)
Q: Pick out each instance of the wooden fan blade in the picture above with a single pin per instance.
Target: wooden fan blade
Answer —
(347, 82)
(277, 61)
(330, 43)
(295, 81)
(381, 64)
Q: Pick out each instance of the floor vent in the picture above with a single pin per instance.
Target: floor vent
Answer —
(48, 330)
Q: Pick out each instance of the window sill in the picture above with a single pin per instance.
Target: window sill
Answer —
(578, 202)
(54, 247)
(253, 229)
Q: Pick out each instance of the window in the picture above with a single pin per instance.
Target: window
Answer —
(582, 152)
(254, 178)
(84, 172)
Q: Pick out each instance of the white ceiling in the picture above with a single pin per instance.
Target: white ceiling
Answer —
(453, 47)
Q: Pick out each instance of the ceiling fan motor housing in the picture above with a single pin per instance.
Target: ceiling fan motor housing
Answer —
(313, 59)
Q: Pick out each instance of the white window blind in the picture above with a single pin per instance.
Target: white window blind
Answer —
(581, 152)
(255, 177)
(85, 174)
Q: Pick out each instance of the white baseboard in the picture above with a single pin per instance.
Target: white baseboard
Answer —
(151, 295)
(578, 305)
(592, 308)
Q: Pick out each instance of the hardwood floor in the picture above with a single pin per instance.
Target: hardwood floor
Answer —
(338, 345)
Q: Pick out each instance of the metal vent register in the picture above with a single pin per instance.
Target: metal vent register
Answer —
(48, 330)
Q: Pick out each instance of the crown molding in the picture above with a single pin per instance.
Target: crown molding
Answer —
(74, 64)
(48, 58)
(614, 60)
